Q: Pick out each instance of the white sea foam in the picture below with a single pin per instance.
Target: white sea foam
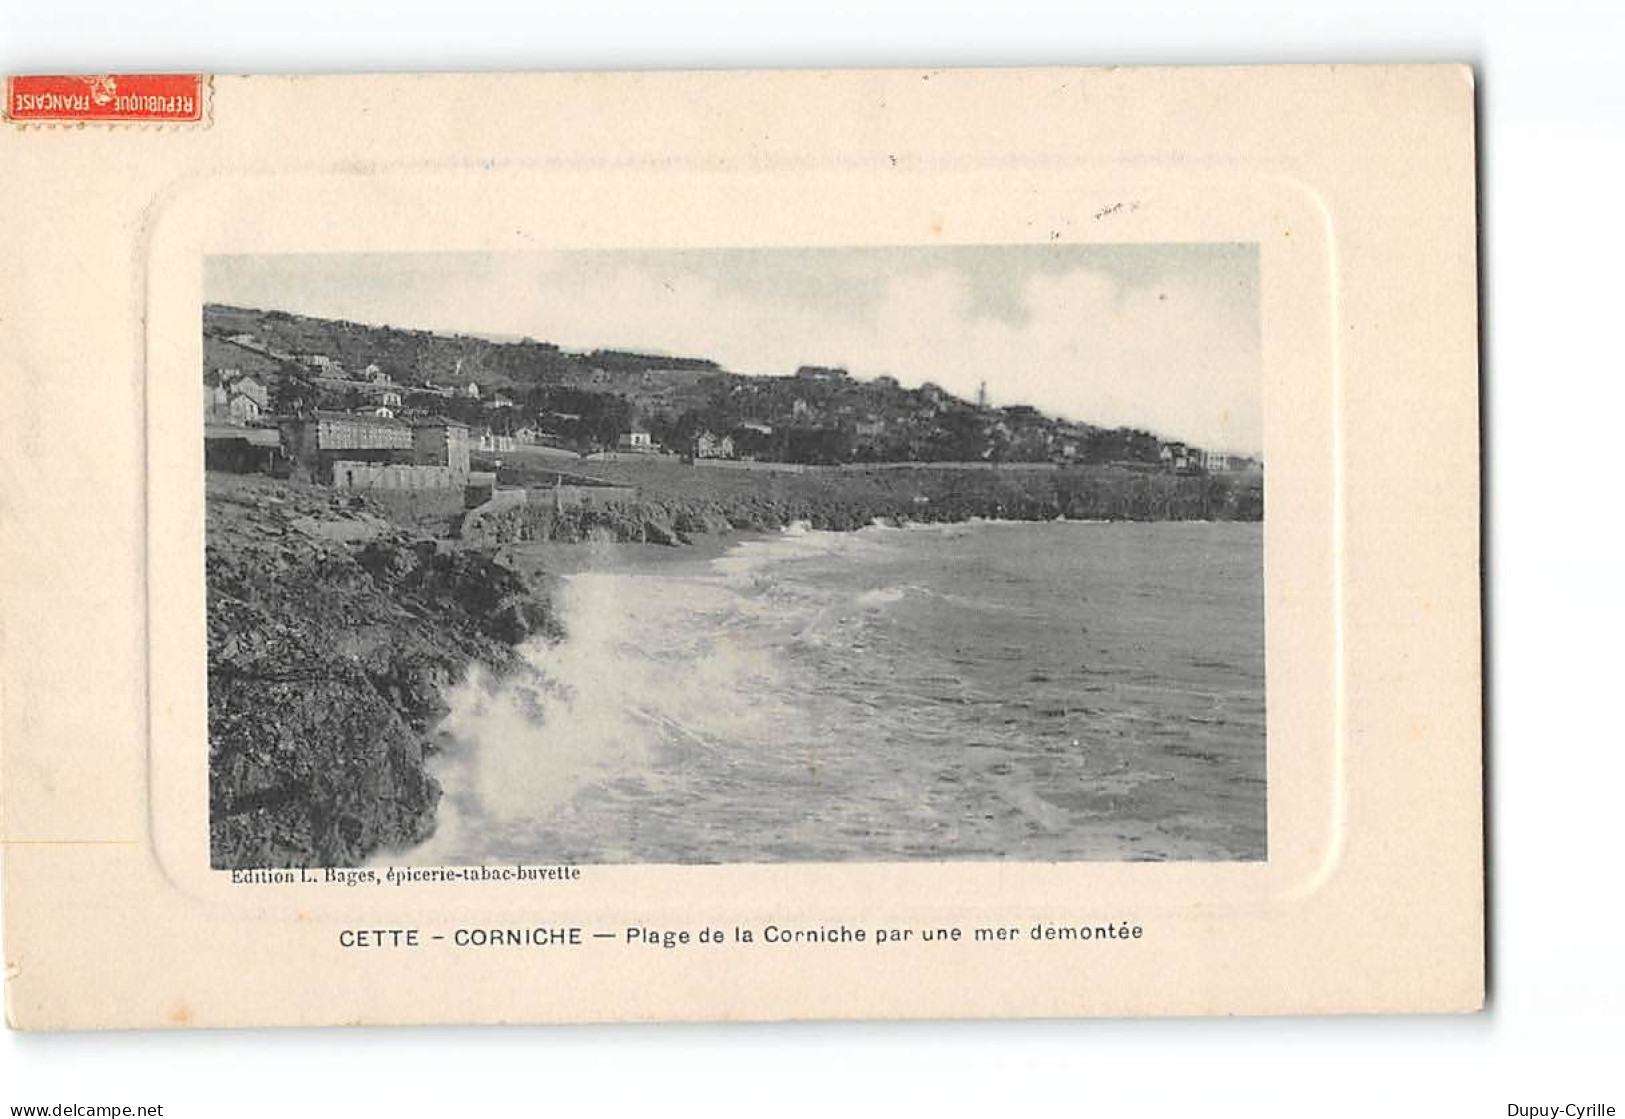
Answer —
(631, 691)
(817, 695)
(795, 542)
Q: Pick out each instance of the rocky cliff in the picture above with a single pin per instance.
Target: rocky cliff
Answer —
(332, 633)
(678, 503)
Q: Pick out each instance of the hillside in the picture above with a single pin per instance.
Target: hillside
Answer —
(587, 401)
(409, 356)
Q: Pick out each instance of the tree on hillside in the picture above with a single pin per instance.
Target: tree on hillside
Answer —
(821, 446)
(958, 438)
(294, 393)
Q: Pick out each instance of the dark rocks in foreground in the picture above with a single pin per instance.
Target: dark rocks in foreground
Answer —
(331, 639)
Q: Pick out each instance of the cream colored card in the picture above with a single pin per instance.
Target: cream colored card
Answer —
(1068, 729)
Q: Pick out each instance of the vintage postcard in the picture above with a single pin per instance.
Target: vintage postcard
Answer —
(529, 548)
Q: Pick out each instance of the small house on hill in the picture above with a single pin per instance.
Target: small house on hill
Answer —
(709, 445)
(248, 386)
(1180, 458)
(230, 396)
(242, 408)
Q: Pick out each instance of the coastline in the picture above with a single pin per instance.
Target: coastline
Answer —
(548, 559)
(339, 622)
(954, 655)
(682, 504)
(542, 560)
(336, 627)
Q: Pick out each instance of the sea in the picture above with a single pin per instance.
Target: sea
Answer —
(984, 691)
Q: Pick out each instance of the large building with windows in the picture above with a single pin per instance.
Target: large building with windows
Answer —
(370, 451)
(324, 432)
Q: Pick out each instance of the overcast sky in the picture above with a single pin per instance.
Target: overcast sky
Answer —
(1158, 336)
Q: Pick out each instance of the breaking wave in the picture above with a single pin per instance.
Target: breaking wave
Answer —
(879, 694)
(631, 695)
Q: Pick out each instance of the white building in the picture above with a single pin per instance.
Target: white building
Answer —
(232, 397)
(488, 440)
(243, 409)
(708, 445)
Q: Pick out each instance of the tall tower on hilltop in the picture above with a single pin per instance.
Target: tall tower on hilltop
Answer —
(981, 396)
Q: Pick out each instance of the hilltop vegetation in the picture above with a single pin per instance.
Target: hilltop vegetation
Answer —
(585, 401)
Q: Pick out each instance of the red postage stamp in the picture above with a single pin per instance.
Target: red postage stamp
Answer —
(106, 98)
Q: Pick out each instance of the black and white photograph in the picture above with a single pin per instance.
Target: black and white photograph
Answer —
(916, 560)
(778, 555)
